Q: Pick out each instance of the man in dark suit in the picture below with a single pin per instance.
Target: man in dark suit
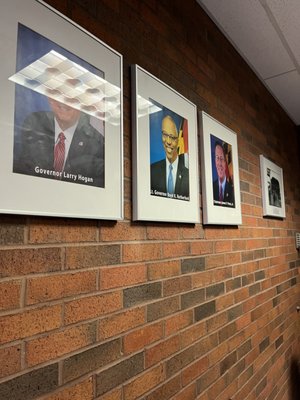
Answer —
(170, 177)
(222, 187)
(61, 145)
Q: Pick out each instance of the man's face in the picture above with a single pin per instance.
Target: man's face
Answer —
(170, 138)
(220, 162)
(65, 115)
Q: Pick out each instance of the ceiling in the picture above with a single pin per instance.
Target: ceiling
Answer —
(267, 35)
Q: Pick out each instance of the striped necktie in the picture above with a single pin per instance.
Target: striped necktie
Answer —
(59, 153)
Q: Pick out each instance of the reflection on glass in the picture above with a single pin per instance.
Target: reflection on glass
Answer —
(55, 76)
(146, 107)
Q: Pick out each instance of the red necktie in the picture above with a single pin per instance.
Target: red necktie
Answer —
(59, 153)
(220, 194)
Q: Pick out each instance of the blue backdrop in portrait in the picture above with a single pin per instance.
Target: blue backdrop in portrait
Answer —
(213, 140)
(157, 151)
(30, 47)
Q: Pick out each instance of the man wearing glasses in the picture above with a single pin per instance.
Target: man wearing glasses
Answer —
(170, 177)
(222, 187)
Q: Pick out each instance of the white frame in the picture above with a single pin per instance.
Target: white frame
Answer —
(213, 213)
(270, 170)
(149, 207)
(24, 194)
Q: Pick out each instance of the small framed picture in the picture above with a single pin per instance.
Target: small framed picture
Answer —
(60, 117)
(220, 173)
(272, 188)
(165, 161)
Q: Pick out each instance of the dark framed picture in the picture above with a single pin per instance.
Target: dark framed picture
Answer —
(220, 173)
(272, 188)
(165, 162)
(61, 117)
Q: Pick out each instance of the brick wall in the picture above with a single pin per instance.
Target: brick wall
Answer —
(155, 311)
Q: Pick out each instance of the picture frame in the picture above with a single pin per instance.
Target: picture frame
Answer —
(164, 136)
(272, 188)
(56, 76)
(219, 163)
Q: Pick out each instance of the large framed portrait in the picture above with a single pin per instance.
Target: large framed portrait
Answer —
(220, 173)
(165, 162)
(60, 117)
(272, 188)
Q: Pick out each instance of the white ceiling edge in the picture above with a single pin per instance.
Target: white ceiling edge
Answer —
(273, 58)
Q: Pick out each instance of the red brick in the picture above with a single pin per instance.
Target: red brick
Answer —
(241, 294)
(127, 210)
(113, 395)
(10, 360)
(12, 228)
(239, 245)
(218, 353)
(256, 244)
(224, 302)
(144, 383)
(209, 97)
(163, 232)
(194, 370)
(221, 233)
(57, 344)
(62, 231)
(142, 252)
(206, 278)
(187, 393)
(178, 43)
(217, 321)
(127, 188)
(202, 247)
(215, 261)
(122, 322)
(192, 334)
(29, 323)
(229, 391)
(81, 391)
(162, 270)
(166, 390)
(92, 256)
(122, 231)
(112, 277)
(176, 249)
(60, 286)
(249, 304)
(217, 388)
(27, 261)
(177, 285)
(247, 209)
(232, 258)
(178, 321)
(249, 221)
(92, 307)
(142, 337)
(10, 295)
(162, 350)
(243, 321)
(192, 232)
(223, 246)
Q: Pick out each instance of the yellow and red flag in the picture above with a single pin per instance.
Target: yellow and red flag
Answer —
(183, 145)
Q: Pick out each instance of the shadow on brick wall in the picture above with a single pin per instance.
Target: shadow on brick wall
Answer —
(295, 379)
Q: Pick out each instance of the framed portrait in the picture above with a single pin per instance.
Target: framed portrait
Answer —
(60, 117)
(220, 173)
(165, 162)
(272, 188)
